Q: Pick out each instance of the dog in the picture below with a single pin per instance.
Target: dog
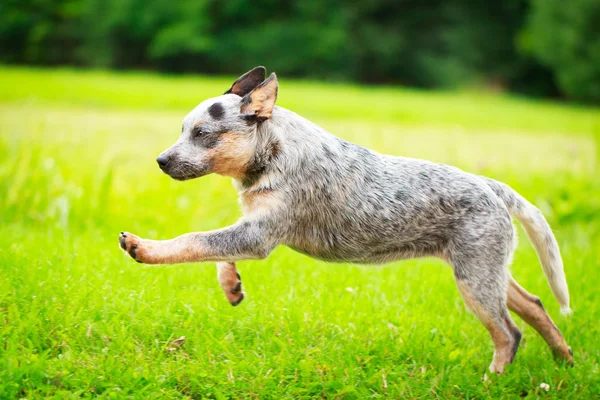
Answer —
(304, 188)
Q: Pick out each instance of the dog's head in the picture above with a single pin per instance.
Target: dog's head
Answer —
(219, 135)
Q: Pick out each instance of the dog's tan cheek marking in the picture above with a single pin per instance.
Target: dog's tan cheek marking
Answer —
(232, 156)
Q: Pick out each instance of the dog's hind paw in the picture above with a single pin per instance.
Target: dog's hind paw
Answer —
(130, 244)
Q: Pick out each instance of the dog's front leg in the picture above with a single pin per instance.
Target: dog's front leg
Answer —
(242, 241)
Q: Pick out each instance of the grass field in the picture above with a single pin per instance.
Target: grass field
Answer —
(80, 319)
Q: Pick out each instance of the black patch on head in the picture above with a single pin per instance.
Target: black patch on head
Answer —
(216, 111)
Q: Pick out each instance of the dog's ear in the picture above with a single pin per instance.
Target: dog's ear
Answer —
(248, 81)
(259, 102)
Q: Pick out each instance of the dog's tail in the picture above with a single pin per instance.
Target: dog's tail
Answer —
(539, 233)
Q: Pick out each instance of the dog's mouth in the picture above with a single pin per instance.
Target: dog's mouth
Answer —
(185, 172)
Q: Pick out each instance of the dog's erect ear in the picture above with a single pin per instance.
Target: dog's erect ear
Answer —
(248, 81)
(259, 103)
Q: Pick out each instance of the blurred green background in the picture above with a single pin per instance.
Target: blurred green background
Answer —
(536, 47)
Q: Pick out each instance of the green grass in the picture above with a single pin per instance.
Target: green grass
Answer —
(80, 319)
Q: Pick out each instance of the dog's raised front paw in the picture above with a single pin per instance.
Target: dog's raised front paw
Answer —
(130, 243)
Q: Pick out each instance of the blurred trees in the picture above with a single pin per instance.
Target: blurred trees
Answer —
(538, 47)
(566, 38)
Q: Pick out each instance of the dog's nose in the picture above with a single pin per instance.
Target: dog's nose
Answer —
(162, 160)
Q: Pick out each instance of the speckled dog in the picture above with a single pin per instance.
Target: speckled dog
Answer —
(304, 188)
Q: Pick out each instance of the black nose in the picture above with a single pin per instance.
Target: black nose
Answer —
(162, 160)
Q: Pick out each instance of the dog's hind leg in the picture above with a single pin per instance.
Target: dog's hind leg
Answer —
(530, 309)
(479, 258)
(491, 310)
(485, 300)
(230, 282)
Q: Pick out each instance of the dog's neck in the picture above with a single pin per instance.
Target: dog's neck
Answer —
(267, 149)
(281, 144)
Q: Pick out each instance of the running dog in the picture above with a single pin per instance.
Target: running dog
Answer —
(304, 188)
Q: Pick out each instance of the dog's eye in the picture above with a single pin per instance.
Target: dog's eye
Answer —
(197, 132)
